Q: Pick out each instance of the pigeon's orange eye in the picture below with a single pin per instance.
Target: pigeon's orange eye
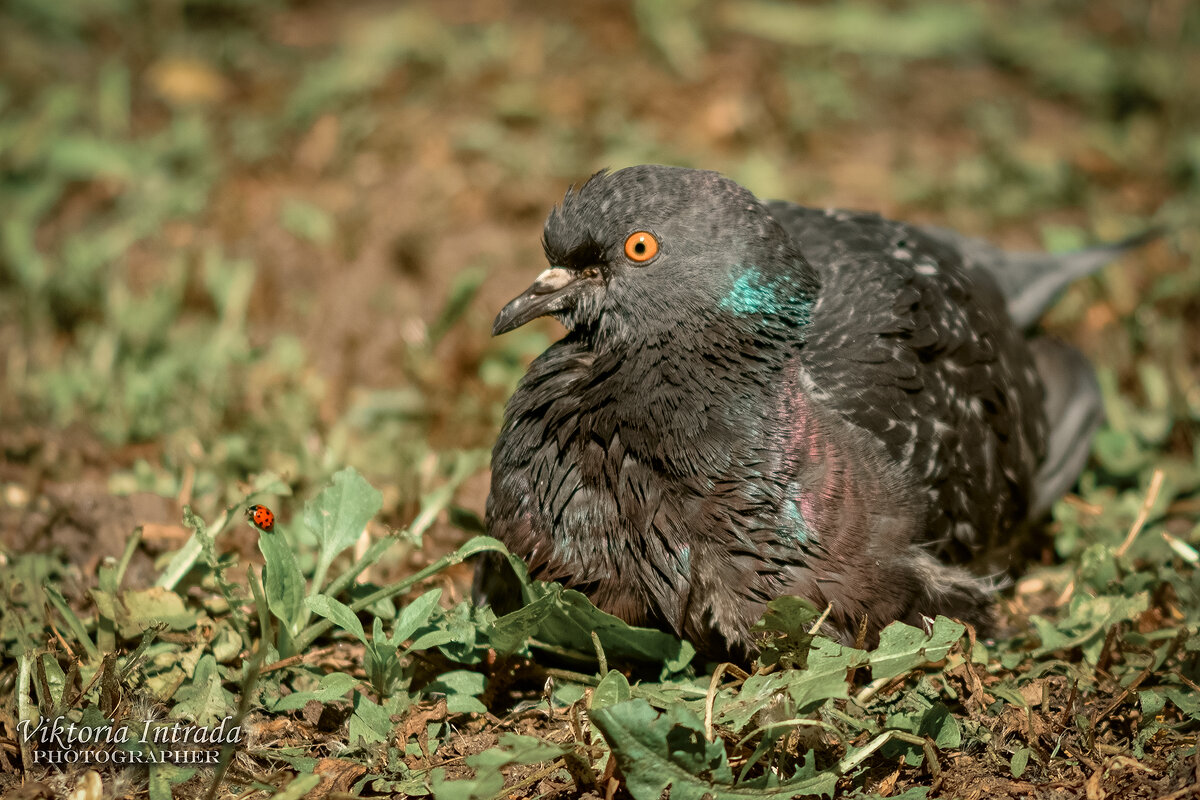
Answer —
(641, 247)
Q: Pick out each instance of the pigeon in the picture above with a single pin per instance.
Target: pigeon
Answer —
(757, 399)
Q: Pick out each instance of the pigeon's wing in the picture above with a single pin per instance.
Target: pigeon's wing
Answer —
(916, 348)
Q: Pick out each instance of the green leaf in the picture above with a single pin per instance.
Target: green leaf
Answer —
(89, 158)
(1020, 760)
(480, 544)
(339, 613)
(656, 751)
(1120, 452)
(1086, 623)
(334, 686)
(371, 723)
(436, 638)
(489, 779)
(462, 688)
(298, 788)
(903, 647)
(78, 629)
(511, 631)
(824, 678)
(414, 615)
(784, 629)
(566, 619)
(457, 632)
(924, 30)
(1152, 702)
(1185, 700)
(307, 221)
(339, 514)
(142, 608)
(612, 689)
(56, 682)
(282, 581)
(203, 699)
(163, 776)
(940, 725)
(918, 715)
(458, 300)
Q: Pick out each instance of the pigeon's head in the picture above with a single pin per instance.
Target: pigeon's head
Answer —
(651, 250)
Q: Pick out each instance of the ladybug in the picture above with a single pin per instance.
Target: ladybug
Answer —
(261, 517)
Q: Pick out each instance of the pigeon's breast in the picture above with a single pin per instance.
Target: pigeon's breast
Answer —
(610, 480)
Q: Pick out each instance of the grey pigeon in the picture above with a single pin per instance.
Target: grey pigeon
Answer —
(761, 399)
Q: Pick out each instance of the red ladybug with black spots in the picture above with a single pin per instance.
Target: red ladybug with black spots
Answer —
(261, 517)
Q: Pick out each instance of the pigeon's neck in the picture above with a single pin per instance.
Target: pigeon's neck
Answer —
(683, 370)
(749, 306)
(754, 294)
(700, 399)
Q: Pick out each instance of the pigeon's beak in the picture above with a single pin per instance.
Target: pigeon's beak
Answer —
(557, 289)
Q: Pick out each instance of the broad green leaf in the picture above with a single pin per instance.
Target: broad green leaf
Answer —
(203, 699)
(1185, 700)
(462, 688)
(414, 783)
(339, 613)
(463, 627)
(903, 647)
(436, 638)
(334, 686)
(916, 714)
(227, 643)
(282, 581)
(513, 630)
(1020, 760)
(612, 689)
(141, 608)
(921, 31)
(567, 619)
(1152, 703)
(414, 615)
(162, 777)
(784, 632)
(339, 514)
(656, 751)
(89, 158)
(824, 678)
(1120, 452)
(762, 691)
(371, 723)
(572, 619)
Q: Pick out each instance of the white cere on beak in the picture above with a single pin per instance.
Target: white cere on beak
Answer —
(553, 279)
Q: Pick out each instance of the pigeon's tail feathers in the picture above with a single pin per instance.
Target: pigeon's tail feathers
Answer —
(1074, 410)
(1032, 281)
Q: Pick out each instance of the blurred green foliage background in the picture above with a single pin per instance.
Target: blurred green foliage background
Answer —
(244, 236)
